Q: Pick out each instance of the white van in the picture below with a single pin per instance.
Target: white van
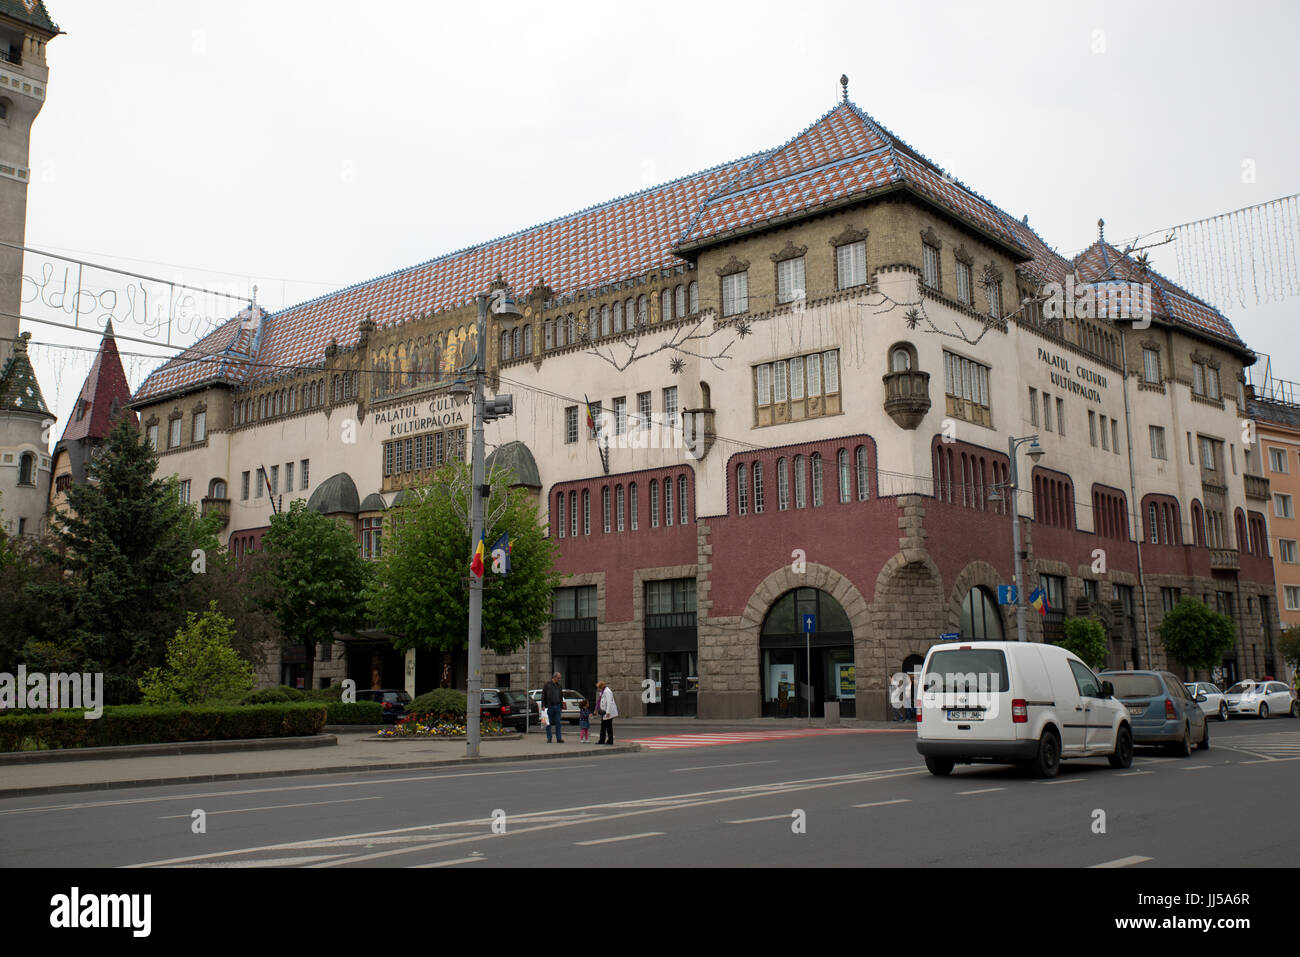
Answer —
(1011, 702)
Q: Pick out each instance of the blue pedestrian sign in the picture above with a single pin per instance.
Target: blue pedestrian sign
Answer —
(809, 624)
(1006, 594)
(950, 636)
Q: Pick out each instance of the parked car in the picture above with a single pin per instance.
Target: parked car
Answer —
(394, 701)
(1037, 705)
(1262, 699)
(1162, 710)
(508, 707)
(572, 703)
(1215, 702)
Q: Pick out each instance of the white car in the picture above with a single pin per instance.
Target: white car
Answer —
(1010, 702)
(1215, 703)
(572, 703)
(1262, 699)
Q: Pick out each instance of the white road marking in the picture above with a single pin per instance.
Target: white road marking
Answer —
(625, 837)
(1062, 781)
(755, 820)
(711, 767)
(1123, 862)
(623, 809)
(1129, 774)
(1197, 767)
(982, 791)
(459, 860)
(883, 803)
(270, 862)
(274, 807)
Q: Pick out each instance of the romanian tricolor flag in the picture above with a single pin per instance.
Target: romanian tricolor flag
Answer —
(1038, 598)
(476, 565)
(591, 422)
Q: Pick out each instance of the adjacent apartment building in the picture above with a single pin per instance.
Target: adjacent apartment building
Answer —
(808, 369)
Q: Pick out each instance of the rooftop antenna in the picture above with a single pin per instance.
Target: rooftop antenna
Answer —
(844, 84)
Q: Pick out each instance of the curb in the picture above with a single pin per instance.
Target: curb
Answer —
(302, 772)
(168, 748)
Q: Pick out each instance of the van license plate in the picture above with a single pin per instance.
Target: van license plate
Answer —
(965, 715)
(1136, 709)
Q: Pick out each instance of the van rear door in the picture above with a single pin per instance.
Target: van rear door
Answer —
(967, 694)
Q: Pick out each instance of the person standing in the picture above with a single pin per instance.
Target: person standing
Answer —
(553, 702)
(584, 721)
(607, 708)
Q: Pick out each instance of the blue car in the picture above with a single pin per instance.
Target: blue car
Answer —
(1161, 710)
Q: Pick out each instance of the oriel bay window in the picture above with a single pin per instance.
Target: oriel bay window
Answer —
(801, 387)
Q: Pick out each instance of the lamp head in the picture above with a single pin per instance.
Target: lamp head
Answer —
(1035, 451)
(460, 389)
(502, 303)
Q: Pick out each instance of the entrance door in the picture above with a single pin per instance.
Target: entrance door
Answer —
(577, 672)
(677, 683)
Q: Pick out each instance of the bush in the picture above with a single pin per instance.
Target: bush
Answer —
(201, 664)
(1085, 637)
(277, 695)
(332, 693)
(152, 724)
(362, 712)
(446, 701)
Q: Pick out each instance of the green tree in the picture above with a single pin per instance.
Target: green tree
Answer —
(1196, 636)
(126, 548)
(1085, 637)
(202, 666)
(420, 593)
(314, 576)
(1288, 646)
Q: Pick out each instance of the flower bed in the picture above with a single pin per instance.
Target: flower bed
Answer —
(440, 726)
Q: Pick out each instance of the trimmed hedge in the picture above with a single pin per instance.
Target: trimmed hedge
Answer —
(361, 712)
(441, 701)
(148, 724)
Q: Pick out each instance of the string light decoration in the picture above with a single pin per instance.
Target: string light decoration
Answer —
(1248, 255)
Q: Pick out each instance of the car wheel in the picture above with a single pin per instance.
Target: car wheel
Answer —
(1263, 710)
(1047, 762)
(1183, 748)
(940, 767)
(1205, 739)
(1122, 757)
(1295, 709)
(1223, 711)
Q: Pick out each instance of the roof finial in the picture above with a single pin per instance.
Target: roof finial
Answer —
(844, 84)
(1101, 230)
(255, 294)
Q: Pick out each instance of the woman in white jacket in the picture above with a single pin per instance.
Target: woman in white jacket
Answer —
(607, 708)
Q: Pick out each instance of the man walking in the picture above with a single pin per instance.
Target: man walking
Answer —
(553, 702)
(608, 711)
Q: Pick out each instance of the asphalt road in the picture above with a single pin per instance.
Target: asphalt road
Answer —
(863, 799)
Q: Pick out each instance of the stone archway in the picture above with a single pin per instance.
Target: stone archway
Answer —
(908, 612)
(979, 573)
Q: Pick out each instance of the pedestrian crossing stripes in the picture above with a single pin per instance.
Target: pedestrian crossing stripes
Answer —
(1272, 747)
(668, 742)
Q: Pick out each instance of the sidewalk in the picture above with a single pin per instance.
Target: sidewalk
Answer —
(352, 752)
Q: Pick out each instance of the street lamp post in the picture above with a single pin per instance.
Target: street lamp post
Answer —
(503, 306)
(1013, 486)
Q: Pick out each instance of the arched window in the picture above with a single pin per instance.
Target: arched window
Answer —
(654, 503)
(561, 330)
(800, 483)
(573, 514)
(632, 504)
(217, 489)
(548, 335)
(666, 305)
(694, 298)
(758, 488)
(528, 340)
(586, 511)
(573, 329)
(27, 469)
(629, 314)
(559, 513)
(980, 618)
(604, 508)
(619, 506)
(782, 485)
(742, 489)
(604, 320)
(618, 318)
(900, 360)
(817, 498)
(668, 502)
(643, 310)
(864, 486)
(515, 349)
(842, 463)
(681, 499)
(593, 324)
(505, 346)
(679, 296)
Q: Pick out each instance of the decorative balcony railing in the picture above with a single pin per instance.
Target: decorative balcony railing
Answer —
(907, 397)
(1225, 559)
(221, 505)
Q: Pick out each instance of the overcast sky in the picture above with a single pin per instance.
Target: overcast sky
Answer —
(306, 146)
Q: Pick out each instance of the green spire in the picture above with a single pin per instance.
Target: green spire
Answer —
(19, 390)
